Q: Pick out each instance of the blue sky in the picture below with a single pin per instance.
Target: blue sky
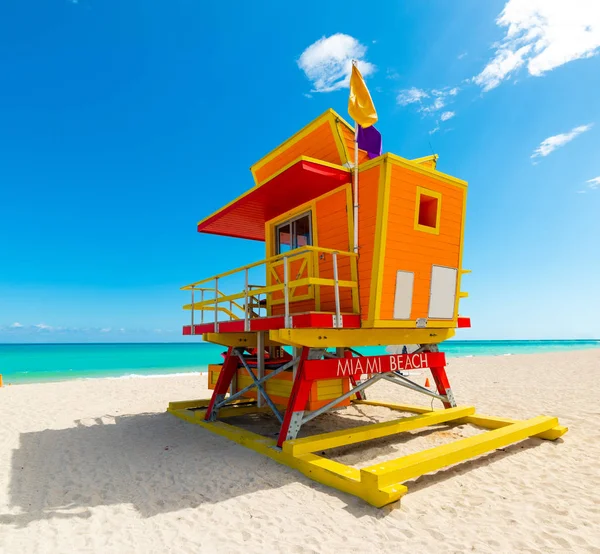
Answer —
(124, 123)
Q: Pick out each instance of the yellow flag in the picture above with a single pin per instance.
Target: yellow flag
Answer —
(360, 105)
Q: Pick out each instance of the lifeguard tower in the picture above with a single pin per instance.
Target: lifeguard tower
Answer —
(334, 279)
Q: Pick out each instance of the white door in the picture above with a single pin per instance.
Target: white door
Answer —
(405, 281)
(443, 292)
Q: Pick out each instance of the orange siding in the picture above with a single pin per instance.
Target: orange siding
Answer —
(367, 220)
(412, 250)
(332, 232)
(319, 144)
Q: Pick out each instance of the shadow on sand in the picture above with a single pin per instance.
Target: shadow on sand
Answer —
(158, 464)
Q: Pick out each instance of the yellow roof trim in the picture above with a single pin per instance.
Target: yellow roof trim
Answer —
(411, 164)
(424, 159)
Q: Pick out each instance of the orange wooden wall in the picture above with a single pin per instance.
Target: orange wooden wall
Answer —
(412, 250)
(332, 232)
(320, 144)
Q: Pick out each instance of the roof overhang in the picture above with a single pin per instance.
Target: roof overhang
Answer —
(301, 181)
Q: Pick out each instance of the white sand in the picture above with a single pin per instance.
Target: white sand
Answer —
(98, 466)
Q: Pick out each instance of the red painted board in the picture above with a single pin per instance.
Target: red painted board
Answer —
(335, 368)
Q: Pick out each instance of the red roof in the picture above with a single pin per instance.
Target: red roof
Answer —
(301, 182)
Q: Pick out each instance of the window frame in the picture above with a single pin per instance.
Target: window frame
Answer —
(422, 191)
(293, 237)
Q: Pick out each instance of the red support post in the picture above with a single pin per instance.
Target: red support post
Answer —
(230, 366)
(298, 398)
(443, 385)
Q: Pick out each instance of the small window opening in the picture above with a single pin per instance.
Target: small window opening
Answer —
(428, 209)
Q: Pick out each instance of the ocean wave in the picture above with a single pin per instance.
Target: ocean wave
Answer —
(150, 376)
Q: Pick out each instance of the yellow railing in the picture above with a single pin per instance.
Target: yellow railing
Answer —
(218, 302)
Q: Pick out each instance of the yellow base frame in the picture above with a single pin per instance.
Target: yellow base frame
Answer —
(382, 483)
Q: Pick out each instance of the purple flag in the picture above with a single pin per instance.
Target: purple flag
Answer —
(369, 139)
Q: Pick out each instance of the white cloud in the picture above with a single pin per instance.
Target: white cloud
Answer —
(410, 96)
(549, 145)
(461, 55)
(438, 104)
(44, 327)
(543, 35)
(16, 325)
(415, 95)
(391, 73)
(594, 183)
(447, 115)
(434, 130)
(106, 330)
(328, 62)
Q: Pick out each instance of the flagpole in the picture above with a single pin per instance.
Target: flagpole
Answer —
(355, 187)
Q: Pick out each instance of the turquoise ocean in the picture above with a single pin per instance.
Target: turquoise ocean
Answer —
(34, 363)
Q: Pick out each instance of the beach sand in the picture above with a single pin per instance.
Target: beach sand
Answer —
(98, 466)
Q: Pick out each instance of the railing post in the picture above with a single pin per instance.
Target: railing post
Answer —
(260, 362)
(286, 293)
(202, 310)
(246, 322)
(216, 304)
(336, 290)
(192, 329)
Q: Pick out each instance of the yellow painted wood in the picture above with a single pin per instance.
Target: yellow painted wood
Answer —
(186, 404)
(398, 407)
(485, 421)
(232, 411)
(422, 191)
(400, 470)
(379, 484)
(237, 339)
(328, 472)
(329, 386)
(329, 338)
(491, 422)
(345, 437)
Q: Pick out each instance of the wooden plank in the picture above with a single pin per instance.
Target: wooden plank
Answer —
(345, 437)
(390, 474)
(397, 407)
(491, 422)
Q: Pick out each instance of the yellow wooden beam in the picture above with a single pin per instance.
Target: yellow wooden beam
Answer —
(397, 407)
(325, 338)
(233, 411)
(185, 404)
(491, 422)
(236, 339)
(379, 484)
(390, 474)
(345, 437)
(485, 421)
